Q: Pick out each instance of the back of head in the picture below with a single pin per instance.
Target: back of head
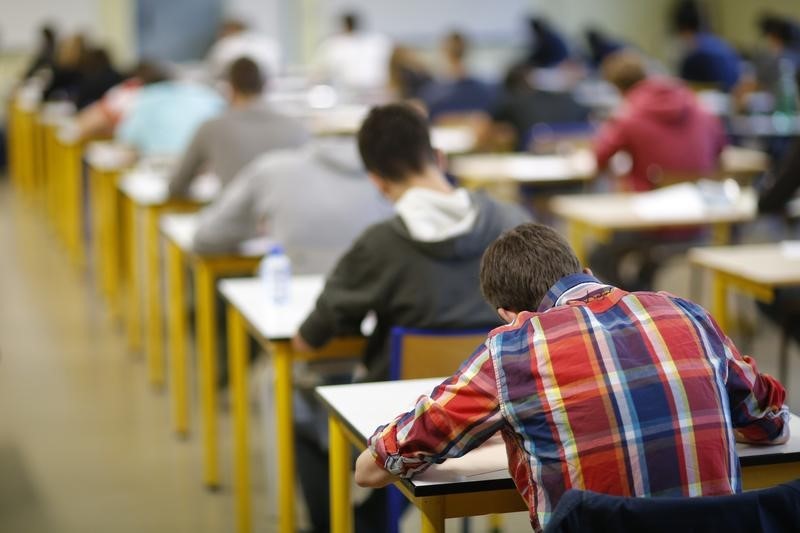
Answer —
(231, 27)
(455, 46)
(71, 51)
(148, 72)
(245, 77)
(395, 143)
(351, 22)
(688, 17)
(624, 69)
(96, 60)
(523, 264)
(538, 25)
(777, 28)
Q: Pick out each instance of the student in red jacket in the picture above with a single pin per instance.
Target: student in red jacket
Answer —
(660, 125)
(667, 134)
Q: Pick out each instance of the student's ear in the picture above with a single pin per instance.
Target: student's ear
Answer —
(588, 271)
(441, 160)
(507, 315)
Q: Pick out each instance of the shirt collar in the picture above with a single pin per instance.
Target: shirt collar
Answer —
(564, 288)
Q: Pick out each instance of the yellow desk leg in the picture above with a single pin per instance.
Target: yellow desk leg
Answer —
(721, 233)
(339, 460)
(720, 305)
(96, 214)
(432, 509)
(577, 239)
(134, 304)
(113, 255)
(237, 365)
(285, 430)
(205, 305)
(177, 339)
(155, 326)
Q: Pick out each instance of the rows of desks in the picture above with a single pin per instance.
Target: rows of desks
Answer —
(142, 249)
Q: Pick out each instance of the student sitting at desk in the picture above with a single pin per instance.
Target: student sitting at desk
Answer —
(417, 269)
(592, 387)
(225, 144)
(165, 115)
(667, 134)
(460, 92)
(314, 200)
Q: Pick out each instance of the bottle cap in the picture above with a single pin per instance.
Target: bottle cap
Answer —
(276, 249)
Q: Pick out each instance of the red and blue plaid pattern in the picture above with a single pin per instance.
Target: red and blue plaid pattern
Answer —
(632, 394)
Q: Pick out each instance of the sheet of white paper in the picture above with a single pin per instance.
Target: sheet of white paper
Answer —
(669, 203)
(790, 249)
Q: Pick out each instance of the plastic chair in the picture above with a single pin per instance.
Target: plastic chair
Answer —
(771, 510)
(425, 353)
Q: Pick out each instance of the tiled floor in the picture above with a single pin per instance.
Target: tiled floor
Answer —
(85, 444)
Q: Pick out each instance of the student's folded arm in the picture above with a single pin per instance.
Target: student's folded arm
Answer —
(231, 218)
(460, 414)
(355, 287)
(609, 140)
(756, 400)
(191, 162)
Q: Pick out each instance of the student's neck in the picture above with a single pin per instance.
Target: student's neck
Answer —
(240, 101)
(431, 179)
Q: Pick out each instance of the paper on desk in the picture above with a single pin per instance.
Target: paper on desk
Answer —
(678, 201)
(790, 249)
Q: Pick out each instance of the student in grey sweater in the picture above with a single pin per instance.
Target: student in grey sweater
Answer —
(418, 269)
(225, 144)
(314, 200)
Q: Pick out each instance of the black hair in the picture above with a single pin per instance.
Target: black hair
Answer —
(394, 142)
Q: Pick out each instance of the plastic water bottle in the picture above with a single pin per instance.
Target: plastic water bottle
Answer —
(276, 272)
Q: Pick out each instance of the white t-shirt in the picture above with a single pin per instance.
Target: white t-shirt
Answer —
(354, 61)
(262, 49)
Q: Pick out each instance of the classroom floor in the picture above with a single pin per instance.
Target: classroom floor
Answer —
(85, 443)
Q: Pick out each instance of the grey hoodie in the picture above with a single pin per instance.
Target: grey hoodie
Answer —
(409, 283)
(314, 200)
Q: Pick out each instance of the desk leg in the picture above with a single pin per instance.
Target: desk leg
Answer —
(204, 311)
(339, 460)
(721, 234)
(285, 430)
(134, 304)
(237, 364)
(112, 245)
(577, 239)
(155, 334)
(96, 214)
(177, 338)
(432, 509)
(720, 313)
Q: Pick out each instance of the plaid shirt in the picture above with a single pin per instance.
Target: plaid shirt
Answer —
(632, 394)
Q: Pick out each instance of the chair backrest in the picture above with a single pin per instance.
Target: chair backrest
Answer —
(427, 353)
(766, 510)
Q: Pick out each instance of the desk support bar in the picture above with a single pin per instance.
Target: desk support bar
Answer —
(206, 348)
(238, 358)
(339, 459)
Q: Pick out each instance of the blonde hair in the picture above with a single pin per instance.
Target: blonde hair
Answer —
(624, 69)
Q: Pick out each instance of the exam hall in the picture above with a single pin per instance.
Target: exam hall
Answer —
(345, 266)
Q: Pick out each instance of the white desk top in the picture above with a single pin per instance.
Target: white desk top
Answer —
(453, 139)
(775, 264)
(674, 206)
(525, 168)
(148, 188)
(181, 228)
(487, 465)
(249, 296)
(109, 156)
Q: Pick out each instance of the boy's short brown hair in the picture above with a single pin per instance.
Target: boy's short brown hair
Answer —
(245, 77)
(523, 263)
(624, 69)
